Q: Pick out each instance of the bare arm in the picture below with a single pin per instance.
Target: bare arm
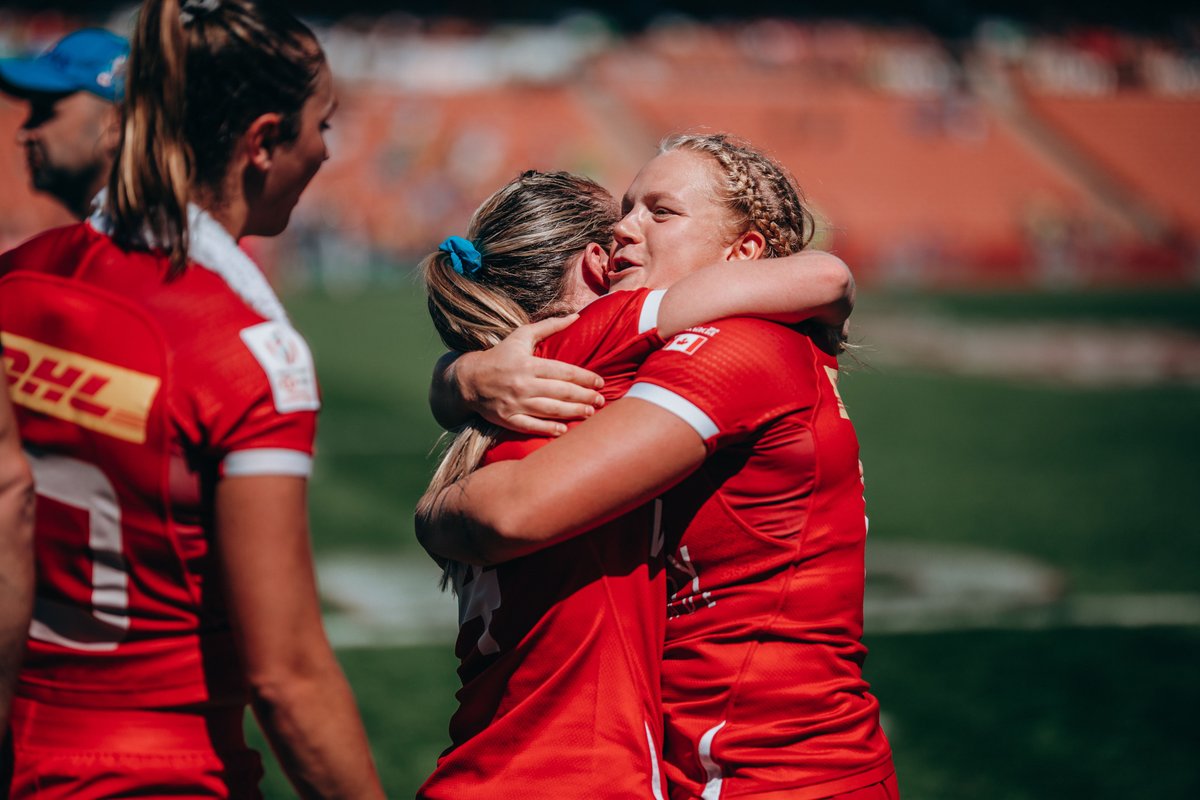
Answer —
(513, 508)
(810, 284)
(510, 387)
(16, 554)
(299, 694)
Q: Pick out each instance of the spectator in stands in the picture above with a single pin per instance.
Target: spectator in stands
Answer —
(71, 134)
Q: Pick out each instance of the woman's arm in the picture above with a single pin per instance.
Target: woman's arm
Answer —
(510, 387)
(298, 691)
(16, 554)
(810, 284)
(583, 479)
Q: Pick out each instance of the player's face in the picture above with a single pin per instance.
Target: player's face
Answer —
(68, 142)
(294, 163)
(673, 223)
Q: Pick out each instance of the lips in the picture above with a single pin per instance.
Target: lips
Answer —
(620, 263)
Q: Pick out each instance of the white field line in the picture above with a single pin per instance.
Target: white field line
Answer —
(382, 600)
(1076, 354)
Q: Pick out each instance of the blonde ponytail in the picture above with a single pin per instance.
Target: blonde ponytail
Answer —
(527, 235)
(195, 82)
(151, 181)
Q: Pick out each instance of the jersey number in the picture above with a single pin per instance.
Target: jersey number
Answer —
(103, 622)
(478, 600)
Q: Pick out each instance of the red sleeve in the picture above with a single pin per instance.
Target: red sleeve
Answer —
(259, 402)
(510, 446)
(612, 337)
(730, 378)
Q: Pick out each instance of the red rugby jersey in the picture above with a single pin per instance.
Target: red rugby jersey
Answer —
(762, 667)
(134, 394)
(561, 649)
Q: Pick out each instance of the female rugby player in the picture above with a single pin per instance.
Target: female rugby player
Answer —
(561, 650)
(169, 409)
(762, 682)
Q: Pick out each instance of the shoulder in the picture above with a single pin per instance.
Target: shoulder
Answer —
(229, 351)
(639, 304)
(51, 251)
(738, 346)
(731, 377)
(620, 315)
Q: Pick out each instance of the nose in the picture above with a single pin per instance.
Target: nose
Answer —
(625, 231)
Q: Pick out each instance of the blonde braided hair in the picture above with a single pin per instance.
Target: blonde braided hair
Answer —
(760, 194)
(758, 191)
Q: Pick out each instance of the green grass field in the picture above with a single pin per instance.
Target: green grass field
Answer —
(1100, 484)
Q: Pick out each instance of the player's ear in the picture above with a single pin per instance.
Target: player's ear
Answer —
(594, 267)
(747, 247)
(261, 138)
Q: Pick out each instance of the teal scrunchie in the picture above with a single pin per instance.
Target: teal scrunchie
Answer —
(466, 259)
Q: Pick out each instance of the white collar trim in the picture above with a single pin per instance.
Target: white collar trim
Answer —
(210, 246)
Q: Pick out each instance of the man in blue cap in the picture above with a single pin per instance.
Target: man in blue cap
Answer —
(73, 130)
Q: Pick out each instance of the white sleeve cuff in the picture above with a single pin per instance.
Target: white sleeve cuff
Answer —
(648, 320)
(267, 461)
(685, 409)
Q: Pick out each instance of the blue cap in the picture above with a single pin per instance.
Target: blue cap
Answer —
(89, 60)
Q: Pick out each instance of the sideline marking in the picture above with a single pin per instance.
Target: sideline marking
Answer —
(392, 600)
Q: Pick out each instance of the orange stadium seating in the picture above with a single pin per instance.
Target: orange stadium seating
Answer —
(1147, 143)
(932, 185)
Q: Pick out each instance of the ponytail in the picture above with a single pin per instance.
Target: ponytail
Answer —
(526, 236)
(151, 181)
(469, 316)
(199, 74)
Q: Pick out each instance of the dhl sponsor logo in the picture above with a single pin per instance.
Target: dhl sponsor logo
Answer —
(90, 393)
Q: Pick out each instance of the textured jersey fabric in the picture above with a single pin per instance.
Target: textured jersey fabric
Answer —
(134, 394)
(762, 671)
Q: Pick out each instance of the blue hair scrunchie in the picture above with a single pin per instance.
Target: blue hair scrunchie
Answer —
(466, 259)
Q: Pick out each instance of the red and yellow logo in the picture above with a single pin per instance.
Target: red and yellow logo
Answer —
(90, 393)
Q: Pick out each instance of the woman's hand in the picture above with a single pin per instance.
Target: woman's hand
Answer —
(511, 387)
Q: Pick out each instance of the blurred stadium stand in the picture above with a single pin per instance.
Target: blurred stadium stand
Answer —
(1009, 156)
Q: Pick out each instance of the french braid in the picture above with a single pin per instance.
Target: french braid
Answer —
(758, 191)
(760, 194)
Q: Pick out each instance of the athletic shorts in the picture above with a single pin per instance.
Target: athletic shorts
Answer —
(94, 754)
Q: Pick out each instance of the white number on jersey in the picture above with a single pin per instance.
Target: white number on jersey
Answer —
(479, 598)
(103, 624)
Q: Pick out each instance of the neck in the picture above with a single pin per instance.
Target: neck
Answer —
(80, 208)
(78, 197)
(230, 212)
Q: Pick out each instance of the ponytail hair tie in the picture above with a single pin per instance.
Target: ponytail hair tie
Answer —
(466, 259)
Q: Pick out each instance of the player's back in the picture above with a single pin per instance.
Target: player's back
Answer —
(131, 387)
(561, 649)
(762, 665)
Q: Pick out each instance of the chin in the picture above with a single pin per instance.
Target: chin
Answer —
(271, 227)
(627, 280)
